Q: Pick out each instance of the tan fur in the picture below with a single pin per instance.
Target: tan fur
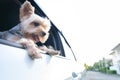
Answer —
(33, 28)
(27, 23)
(26, 10)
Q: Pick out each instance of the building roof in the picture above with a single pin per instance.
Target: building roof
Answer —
(112, 53)
(116, 47)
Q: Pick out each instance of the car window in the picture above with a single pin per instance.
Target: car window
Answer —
(68, 53)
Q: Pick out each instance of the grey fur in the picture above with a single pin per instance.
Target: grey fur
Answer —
(15, 31)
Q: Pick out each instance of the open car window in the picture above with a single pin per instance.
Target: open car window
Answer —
(9, 17)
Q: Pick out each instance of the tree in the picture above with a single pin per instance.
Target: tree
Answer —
(87, 67)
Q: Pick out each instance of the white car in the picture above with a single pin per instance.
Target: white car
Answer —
(15, 64)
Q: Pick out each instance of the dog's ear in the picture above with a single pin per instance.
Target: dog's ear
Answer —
(26, 10)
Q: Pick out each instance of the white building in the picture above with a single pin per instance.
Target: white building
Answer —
(116, 58)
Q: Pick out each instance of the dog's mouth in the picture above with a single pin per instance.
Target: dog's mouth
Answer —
(35, 38)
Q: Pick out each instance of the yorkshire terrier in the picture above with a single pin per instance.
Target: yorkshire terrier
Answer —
(32, 29)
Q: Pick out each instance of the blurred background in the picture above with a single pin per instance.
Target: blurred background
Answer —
(92, 27)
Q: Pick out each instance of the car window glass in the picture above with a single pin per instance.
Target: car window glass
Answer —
(68, 52)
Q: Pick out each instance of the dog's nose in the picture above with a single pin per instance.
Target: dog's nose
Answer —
(43, 33)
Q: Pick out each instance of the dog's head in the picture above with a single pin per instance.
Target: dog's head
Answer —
(33, 26)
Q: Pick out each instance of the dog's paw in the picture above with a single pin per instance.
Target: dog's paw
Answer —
(31, 47)
(34, 53)
(50, 50)
(53, 52)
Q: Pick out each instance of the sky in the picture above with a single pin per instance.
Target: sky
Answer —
(92, 27)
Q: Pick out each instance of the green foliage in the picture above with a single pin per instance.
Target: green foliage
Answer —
(96, 65)
(111, 72)
(101, 66)
(88, 67)
(103, 69)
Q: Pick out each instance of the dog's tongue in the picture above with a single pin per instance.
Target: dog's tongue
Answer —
(36, 38)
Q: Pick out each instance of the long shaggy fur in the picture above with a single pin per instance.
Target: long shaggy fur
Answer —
(32, 29)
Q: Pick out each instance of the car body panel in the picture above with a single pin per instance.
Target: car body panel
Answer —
(15, 64)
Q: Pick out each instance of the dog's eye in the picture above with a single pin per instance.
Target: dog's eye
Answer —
(36, 24)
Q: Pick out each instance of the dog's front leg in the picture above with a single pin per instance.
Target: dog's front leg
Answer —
(49, 50)
(31, 47)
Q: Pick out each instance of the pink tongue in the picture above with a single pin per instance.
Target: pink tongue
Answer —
(36, 38)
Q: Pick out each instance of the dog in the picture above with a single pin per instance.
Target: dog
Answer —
(31, 29)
